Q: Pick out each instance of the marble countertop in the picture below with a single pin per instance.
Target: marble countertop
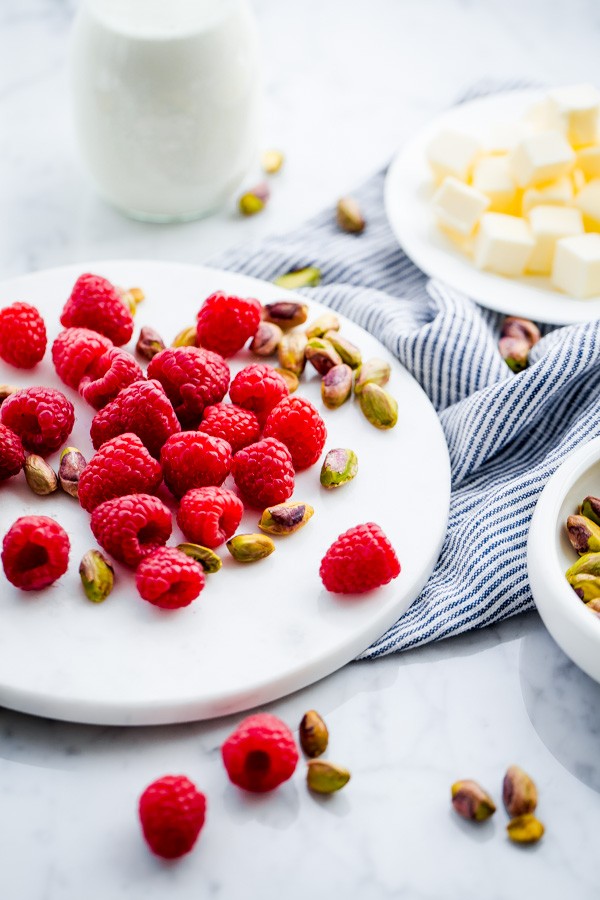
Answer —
(346, 82)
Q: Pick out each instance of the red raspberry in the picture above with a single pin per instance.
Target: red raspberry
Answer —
(131, 527)
(225, 322)
(22, 335)
(141, 407)
(258, 387)
(260, 754)
(121, 466)
(12, 455)
(108, 375)
(35, 552)
(74, 351)
(264, 473)
(297, 424)
(192, 460)
(192, 379)
(209, 515)
(95, 303)
(169, 578)
(239, 427)
(42, 417)
(361, 559)
(172, 813)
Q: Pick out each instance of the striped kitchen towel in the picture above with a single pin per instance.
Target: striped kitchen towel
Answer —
(506, 433)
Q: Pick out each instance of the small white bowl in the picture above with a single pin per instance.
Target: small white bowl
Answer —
(575, 628)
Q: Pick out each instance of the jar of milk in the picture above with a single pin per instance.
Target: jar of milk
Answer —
(166, 100)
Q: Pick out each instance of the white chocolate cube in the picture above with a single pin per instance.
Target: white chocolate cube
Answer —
(503, 244)
(540, 158)
(548, 225)
(492, 176)
(588, 201)
(459, 206)
(576, 268)
(557, 193)
(452, 153)
(574, 111)
(588, 160)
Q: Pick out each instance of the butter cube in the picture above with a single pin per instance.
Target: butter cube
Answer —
(557, 193)
(548, 225)
(588, 160)
(578, 179)
(588, 201)
(538, 115)
(504, 136)
(503, 244)
(459, 206)
(493, 177)
(540, 158)
(576, 268)
(452, 153)
(574, 111)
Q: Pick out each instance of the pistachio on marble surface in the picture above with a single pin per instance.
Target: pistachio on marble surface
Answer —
(72, 463)
(319, 328)
(285, 518)
(525, 829)
(40, 476)
(339, 467)
(378, 406)
(266, 340)
(309, 276)
(248, 548)
(272, 161)
(321, 354)
(255, 199)
(97, 576)
(291, 352)
(519, 793)
(285, 313)
(373, 371)
(349, 216)
(471, 801)
(209, 560)
(336, 386)
(313, 734)
(149, 343)
(324, 777)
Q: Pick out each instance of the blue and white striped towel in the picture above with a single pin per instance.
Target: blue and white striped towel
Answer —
(506, 433)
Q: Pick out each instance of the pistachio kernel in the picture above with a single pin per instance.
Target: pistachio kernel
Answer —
(525, 829)
(285, 313)
(310, 276)
(336, 386)
(40, 477)
(594, 605)
(97, 576)
(254, 200)
(587, 587)
(209, 560)
(324, 777)
(378, 406)
(349, 353)
(374, 371)
(349, 216)
(187, 337)
(290, 353)
(588, 564)
(248, 548)
(515, 352)
(272, 161)
(319, 328)
(519, 793)
(590, 508)
(285, 518)
(266, 340)
(72, 463)
(471, 801)
(290, 378)
(321, 354)
(339, 467)
(149, 343)
(313, 734)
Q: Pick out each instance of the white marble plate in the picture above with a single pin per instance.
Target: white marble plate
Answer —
(257, 632)
(575, 629)
(408, 191)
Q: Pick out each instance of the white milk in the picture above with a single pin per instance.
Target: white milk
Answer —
(166, 102)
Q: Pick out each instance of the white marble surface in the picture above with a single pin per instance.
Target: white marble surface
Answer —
(346, 82)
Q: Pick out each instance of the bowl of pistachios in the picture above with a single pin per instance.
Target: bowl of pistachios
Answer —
(563, 557)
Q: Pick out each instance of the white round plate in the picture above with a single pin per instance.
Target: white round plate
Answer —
(575, 628)
(256, 632)
(409, 189)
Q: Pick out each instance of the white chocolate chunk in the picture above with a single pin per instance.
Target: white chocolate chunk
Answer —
(503, 244)
(588, 201)
(557, 193)
(548, 225)
(452, 153)
(492, 176)
(574, 111)
(540, 158)
(576, 268)
(459, 206)
(588, 160)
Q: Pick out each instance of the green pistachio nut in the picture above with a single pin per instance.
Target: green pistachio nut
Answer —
(336, 386)
(97, 576)
(594, 605)
(324, 777)
(40, 477)
(285, 518)
(339, 467)
(72, 463)
(588, 564)
(313, 734)
(149, 343)
(519, 792)
(319, 328)
(587, 587)
(514, 326)
(290, 378)
(590, 508)
(254, 200)
(321, 354)
(378, 406)
(373, 371)
(207, 558)
(349, 216)
(471, 801)
(285, 313)
(266, 340)
(525, 829)
(583, 534)
(248, 548)
(290, 352)
(349, 352)
(309, 276)
(272, 161)
(187, 337)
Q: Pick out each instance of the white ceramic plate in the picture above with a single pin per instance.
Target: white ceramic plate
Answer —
(408, 191)
(549, 554)
(256, 632)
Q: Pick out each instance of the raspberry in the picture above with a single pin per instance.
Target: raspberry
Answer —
(121, 466)
(259, 388)
(42, 417)
(74, 351)
(361, 559)
(141, 407)
(192, 379)
(225, 322)
(131, 527)
(22, 335)
(169, 578)
(209, 515)
(172, 813)
(108, 375)
(192, 459)
(239, 427)
(260, 754)
(35, 552)
(264, 473)
(95, 303)
(12, 455)
(297, 424)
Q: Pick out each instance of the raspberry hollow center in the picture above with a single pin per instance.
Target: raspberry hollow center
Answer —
(31, 556)
(258, 762)
(149, 535)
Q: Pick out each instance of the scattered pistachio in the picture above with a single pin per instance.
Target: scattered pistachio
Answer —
(285, 518)
(208, 559)
(471, 801)
(583, 534)
(313, 733)
(518, 336)
(588, 564)
(587, 587)
(321, 355)
(336, 386)
(291, 352)
(131, 297)
(319, 328)
(324, 777)
(525, 829)
(40, 477)
(285, 313)
(519, 793)
(290, 378)
(340, 467)
(378, 406)
(254, 200)
(97, 576)
(310, 276)
(6, 390)
(374, 371)
(272, 161)
(590, 508)
(187, 337)
(350, 354)
(72, 463)
(349, 216)
(266, 340)
(149, 343)
(247, 548)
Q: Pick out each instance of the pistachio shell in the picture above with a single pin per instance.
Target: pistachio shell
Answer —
(313, 733)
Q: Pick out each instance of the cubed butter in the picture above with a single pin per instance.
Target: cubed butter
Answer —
(503, 244)
(538, 115)
(452, 153)
(540, 158)
(548, 225)
(588, 201)
(492, 176)
(504, 136)
(588, 160)
(576, 268)
(573, 110)
(578, 179)
(459, 206)
(557, 193)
